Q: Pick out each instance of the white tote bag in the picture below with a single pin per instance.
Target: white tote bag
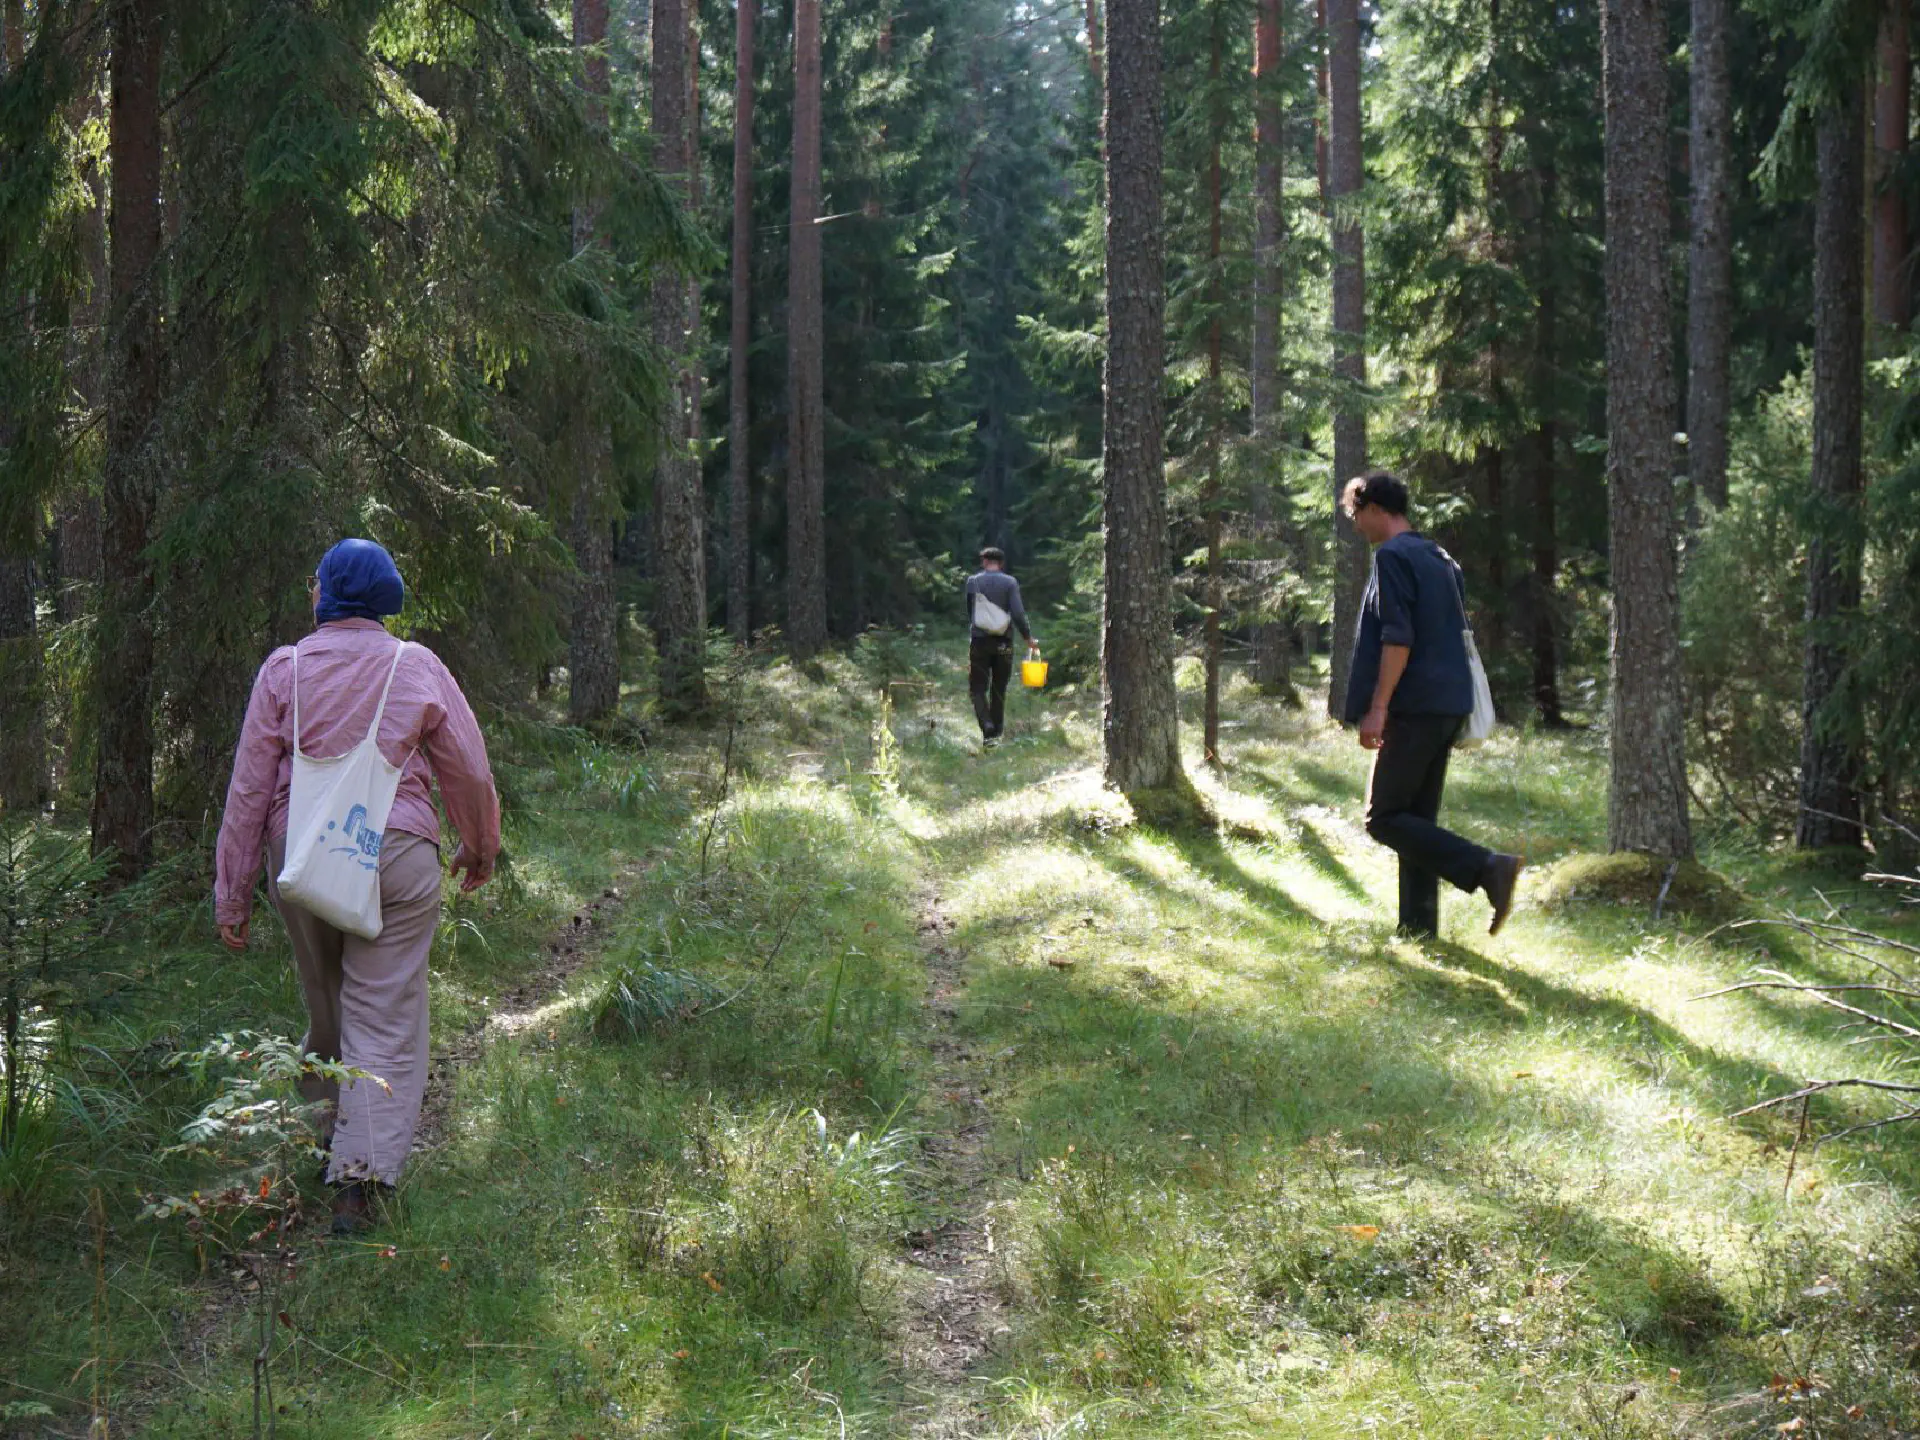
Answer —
(336, 815)
(1480, 723)
(988, 616)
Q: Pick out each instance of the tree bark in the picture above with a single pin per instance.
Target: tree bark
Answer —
(1344, 179)
(1830, 760)
(806, 406)
(1647, 794)
(123, 773)
(739, 414)
(593, 636)
(1892, 108)
(23, 732)
(1545, 538)
(1710, 254)
(1272, 640)
(1216, 409)
(23, 748)
(1139, 721)
(680, 605)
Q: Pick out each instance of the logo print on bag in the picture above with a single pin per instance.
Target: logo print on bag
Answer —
(364, 844)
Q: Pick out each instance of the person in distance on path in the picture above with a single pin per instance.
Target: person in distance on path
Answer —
(993, 612)
(1410, 692)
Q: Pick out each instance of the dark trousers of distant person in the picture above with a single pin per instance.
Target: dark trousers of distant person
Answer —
(989, 667)
(1403, 804)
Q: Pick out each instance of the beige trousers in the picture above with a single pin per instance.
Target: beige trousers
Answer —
(367, 1007)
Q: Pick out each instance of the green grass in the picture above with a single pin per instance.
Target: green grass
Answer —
(1258, 1168)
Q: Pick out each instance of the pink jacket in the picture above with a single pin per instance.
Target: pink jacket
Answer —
(428, 727)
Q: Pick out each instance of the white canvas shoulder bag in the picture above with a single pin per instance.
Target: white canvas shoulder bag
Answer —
(336, 816)
(988, 616)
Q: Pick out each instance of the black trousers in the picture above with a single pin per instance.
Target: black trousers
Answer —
(1403, 803)
(989, 667)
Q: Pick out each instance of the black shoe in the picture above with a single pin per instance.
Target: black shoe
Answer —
(354, 1206)
(1501, 878)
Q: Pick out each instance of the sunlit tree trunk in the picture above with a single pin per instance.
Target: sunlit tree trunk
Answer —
(593, 637)
(680, 576)
(1345, 176)
(739, 414)
(1710, 254)
(1139, 720)
(1216, 409)
(1647, 798)
(1830, 759)
(806, 406)
(1272, 641)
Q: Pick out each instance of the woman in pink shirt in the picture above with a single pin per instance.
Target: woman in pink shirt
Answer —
(366, 999)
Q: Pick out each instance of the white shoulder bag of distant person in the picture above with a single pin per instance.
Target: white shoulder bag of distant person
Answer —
(336, 815)
(988, 616)
(1479, 724)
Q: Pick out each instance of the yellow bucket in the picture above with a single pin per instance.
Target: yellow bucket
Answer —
(1033, 674)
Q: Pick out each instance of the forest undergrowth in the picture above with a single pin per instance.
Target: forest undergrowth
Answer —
(1240, 1162)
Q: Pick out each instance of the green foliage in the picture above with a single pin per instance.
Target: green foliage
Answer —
(1744, 592)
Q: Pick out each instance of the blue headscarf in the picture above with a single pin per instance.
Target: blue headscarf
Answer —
(358, 581)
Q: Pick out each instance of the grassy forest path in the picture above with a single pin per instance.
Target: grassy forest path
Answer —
(912, 1092)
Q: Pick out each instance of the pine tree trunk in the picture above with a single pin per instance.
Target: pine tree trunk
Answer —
(23, 748)
(23, 733)
(739, 414)
(681, 577)
(1320, 122)
(1892, 274)
(1710, 254)
(1344, 179)
(123, 773)
(77, 516)
(593, 636)
(1140, 721)
(1545, 538)
(1272, 641)
(1216, 409)
(1830, 761)
(806, 407)
(593, 643)
(1647, 798)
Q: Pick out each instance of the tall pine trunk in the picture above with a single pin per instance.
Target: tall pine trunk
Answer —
(1545, 538)
(1830, 762)
(1139, 722)
(1272, 641)
(806, 405)
(1710, 254)
(123, 772)
(23, 747)
(1647, 794)
(593, 637)
(739, 414)
(1344, 179)
(1892, 102)
(1216, 408)
(680, 577)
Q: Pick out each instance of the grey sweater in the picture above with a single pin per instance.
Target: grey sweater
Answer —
(1003, 590)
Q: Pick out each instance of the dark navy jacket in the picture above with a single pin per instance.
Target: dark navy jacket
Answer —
(1415, 597)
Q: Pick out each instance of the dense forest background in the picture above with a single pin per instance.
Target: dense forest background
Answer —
(509, 289)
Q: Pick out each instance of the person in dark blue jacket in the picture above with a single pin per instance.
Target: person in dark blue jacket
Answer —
(993, 611)
(1410, 691)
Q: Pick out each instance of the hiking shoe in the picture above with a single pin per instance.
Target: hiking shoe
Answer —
(1501, 878)
(989, 742)
(353, 1206)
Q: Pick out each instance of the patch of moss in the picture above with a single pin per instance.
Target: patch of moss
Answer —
(1631, 878)
(1176, 808)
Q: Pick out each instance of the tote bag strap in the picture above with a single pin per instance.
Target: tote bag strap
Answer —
(380, 710)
